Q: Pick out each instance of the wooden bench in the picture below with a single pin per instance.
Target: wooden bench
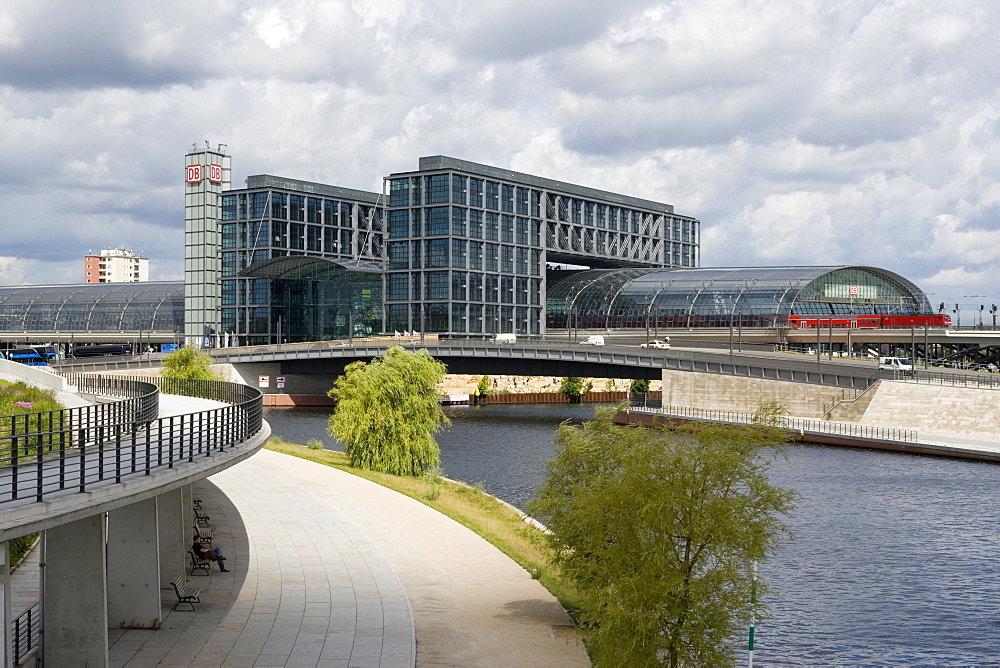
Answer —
(184, 593)
(199, 564)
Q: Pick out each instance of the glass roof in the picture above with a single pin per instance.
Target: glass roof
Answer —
(713, 295)
(93, 307)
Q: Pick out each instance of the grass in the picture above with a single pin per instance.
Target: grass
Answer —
(469, 505)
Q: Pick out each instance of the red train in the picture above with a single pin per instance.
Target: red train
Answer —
(869, 321)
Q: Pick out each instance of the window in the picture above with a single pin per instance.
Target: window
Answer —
(507, 259)
(458, 253)
(258, 205)
(522, 231)
(228, 236)
(437, 220)
(507, 289)
(436, 283)
(491, 285)
(522, 261)
(279, 206)
(458, 285)
(475, 287)
(507, 229)
(492, 195)
(476, 224)
(492, 226)
(313, 208)
(458, 189)
(492, 257)
(416, 192)
(416, 222)
(437, 188)
(314, 240)
(399, 287)
(229, 207)
(330, 240)
(399, 223)
(436, 253)
(507, 198)
(521, 290)
(522, 201)
(399, 192)
(416, 255)
(458, 221)
(297, 236)
(279, 235)
(475, 192)
(458, 318)
(475, 255)
(399, 257)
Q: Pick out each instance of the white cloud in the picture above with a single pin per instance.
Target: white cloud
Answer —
(798, 131)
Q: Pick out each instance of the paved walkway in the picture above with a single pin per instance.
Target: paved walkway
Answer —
(328, 569)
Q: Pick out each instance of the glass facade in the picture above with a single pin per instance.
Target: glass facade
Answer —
(94, 307)
(468, 243)
(267, 295)
(715, 297)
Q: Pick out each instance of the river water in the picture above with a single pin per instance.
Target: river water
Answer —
(893, 560)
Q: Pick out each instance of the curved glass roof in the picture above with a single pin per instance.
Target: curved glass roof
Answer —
(93, 307)
(711, 296)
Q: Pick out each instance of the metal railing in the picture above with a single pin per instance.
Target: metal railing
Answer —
(25, 631)
(81, 451)
(795, 424)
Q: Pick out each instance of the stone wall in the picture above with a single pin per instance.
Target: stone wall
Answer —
(944, 409)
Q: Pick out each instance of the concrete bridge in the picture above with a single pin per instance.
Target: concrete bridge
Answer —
(108, 486)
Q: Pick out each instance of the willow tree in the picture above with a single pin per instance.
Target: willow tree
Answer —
(187, 362)
(659, 529)
(388, 412)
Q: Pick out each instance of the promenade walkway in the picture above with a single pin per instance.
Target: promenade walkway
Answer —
(328, 569)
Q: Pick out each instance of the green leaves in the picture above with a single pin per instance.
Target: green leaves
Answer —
(190, 363)
(658, 528)
(388, 411)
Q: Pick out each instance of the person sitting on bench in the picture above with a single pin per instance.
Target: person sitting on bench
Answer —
(209, 553)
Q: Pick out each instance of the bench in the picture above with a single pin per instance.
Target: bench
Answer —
(199, 519)
(199, 564)
(184, 593)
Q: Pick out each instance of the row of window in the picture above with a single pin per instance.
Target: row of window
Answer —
(461, 254)
(461, 222)
(463, 318)
(300, 208)
(498, 196)
(295, 236)
(463, 286)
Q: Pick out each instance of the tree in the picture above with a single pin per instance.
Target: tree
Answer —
(388, 411)
(190, 363)
(658, 529)
(639, 386)
(574, 388)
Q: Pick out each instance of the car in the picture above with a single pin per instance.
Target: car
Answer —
(593, 340)
(662, 344)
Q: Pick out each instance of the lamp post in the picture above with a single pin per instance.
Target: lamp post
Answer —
(980, 308)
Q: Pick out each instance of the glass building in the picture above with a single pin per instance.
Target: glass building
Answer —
(300, 261)
(717, 297)
(468, 244)
(455, 248)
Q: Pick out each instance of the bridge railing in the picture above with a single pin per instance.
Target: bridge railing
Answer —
(25, 632)
(74, 455)
(792, 423)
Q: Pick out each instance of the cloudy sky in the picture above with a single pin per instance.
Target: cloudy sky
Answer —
(797, 131)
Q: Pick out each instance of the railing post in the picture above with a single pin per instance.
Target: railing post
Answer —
(83, 460)
(13, 467)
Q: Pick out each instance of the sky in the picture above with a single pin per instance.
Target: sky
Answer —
(804, 132)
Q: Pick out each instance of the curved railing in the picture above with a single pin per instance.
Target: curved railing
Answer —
(69, 450)
(72, 450)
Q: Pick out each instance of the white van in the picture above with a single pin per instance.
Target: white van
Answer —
(593, 340)
(505, 338)
(901, 364)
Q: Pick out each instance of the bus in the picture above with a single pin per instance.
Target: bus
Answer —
(32, 355)
(103, 350)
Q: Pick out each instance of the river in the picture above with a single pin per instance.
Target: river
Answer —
(893, 560)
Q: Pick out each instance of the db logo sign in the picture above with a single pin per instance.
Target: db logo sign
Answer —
(854, 291)
(215, 173)
(193, 174)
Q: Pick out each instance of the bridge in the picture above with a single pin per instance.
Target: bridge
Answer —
(108, 484)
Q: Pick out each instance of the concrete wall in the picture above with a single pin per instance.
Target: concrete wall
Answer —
(738, 393)
(32, 375)
(958, 411)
